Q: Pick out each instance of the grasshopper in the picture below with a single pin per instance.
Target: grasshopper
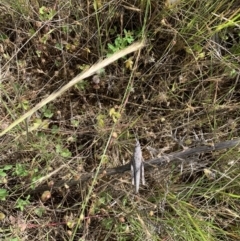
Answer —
(137, 167)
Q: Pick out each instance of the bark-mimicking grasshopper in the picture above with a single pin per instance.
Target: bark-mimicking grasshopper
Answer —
(137, 167)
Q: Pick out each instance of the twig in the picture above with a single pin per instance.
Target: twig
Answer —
(182, 155)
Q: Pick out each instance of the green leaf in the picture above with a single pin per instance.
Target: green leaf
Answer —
(75, 123)
(48, 113)
(111, 111)
(114, 114)
(54, 129)
(20, 170)
(39, 211)
(2, 173)
(58, 148)
(65, 153)
(38, 52)
(24, 104)
(108, 223)
(42, 10)
(7, 167)
(82, 85)
(101, 120)
(3, 194)
(21, 204)
(59, 46)
(112, 47)
(38, 123)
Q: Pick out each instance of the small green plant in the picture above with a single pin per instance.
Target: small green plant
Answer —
(39, 123)
(46, 37)
(46, 14)
(4, 169)
(101, 120)
(114, 114)
(64, 152)
(82, 85)
(21, 170)
(59, 46)
(47, 111)
(108, 223)
(39, 211)
(21, 203)
(120, 42)
(75, 122)
(54, 129)
(23, 105)
(3, 37)
(39, 53)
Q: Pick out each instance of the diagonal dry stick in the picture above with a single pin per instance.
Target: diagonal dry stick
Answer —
(85, 74)
(181, 155)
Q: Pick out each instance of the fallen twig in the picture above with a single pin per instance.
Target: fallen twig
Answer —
(156, 162)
